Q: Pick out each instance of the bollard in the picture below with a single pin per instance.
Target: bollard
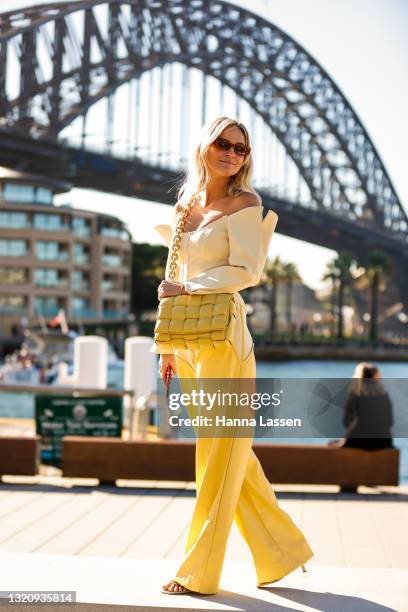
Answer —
(140, 377)
(90, 362)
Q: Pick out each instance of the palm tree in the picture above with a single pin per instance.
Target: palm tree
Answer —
(378, 268)
(273, 273)
(290, 275)
(331, 275)
(340, 269)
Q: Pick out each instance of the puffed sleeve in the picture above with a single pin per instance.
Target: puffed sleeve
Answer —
(249, 237)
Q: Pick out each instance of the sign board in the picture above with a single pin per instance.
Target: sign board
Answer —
(59, 416)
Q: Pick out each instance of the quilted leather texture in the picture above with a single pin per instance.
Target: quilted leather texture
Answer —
(195, 321)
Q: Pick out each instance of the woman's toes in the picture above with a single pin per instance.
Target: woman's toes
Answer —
(180, 587)
(174, 586)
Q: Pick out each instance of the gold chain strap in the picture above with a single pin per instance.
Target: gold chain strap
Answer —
(175, 247)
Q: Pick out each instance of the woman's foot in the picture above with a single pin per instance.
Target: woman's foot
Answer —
(266, 584)
(175, 587)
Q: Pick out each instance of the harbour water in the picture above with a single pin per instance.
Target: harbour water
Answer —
(22, 405)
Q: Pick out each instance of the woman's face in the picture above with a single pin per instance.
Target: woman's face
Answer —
(226, 163)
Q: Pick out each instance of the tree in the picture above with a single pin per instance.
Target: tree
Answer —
(378, 269)
(290, 275)
(273, 273)
(148, 268)
(339, 271)
(331, 275)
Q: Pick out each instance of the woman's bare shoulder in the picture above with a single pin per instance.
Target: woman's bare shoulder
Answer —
(247, 199)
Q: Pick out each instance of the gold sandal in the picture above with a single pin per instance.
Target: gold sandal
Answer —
(188, 592)
(264, 585)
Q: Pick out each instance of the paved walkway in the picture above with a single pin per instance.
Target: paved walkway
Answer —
(135, 533)
(103, 583)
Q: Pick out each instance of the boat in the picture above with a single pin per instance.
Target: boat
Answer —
(47, 357)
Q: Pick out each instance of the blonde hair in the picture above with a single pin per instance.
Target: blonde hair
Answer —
(364, 379)
(197, 174)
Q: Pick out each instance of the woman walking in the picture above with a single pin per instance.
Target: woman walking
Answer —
(223, 249)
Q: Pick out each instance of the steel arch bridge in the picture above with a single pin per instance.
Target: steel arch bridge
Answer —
(279, 80)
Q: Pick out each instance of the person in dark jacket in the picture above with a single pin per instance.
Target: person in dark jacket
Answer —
(367, 413)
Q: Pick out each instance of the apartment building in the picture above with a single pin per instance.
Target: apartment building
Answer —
(54, 257)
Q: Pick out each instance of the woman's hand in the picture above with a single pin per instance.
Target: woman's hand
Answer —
(336, 443)
(169, 288)
(164, 362)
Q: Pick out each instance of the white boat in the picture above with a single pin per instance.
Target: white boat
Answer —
(47, 357)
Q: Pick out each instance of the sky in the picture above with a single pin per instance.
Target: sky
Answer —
(363, 46)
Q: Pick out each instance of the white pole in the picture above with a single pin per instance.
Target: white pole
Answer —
(90, 362)
(140, 375)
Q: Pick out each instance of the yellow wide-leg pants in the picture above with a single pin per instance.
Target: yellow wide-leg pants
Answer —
(231, 485)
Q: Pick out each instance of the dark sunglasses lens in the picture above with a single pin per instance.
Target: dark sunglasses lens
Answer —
(240, 150)
(223, 144)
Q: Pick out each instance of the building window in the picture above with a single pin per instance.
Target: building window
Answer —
(13, 276)
(81, 254)
(48, 250)
(80, 304)
(13, 248)
(48, 305)
(15, 192)
(115, 232)
(49, 222)
(49, 277)
(13, 220)
(43, 196)
(80, 281)
(81, 227)
(111, 260)
(108, 285)
(11, 304)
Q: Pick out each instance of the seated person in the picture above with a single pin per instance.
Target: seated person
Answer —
(367, 411)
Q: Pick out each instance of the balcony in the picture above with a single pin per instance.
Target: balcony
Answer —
(61, 283)
(84, 286)
(88, 313)
(13, 310)
(51, 228)
(61, 256)
(84, 313)
(82, 259)
(14, 221)
(115, 314)
(82, 232)
(47, 311)
(112, 261)
(113, 232)
(107, 285)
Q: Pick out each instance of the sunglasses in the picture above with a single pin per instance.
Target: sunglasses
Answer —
(224, 145)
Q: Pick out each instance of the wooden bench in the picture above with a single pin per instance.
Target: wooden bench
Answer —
(19, 455)
(110, 458)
